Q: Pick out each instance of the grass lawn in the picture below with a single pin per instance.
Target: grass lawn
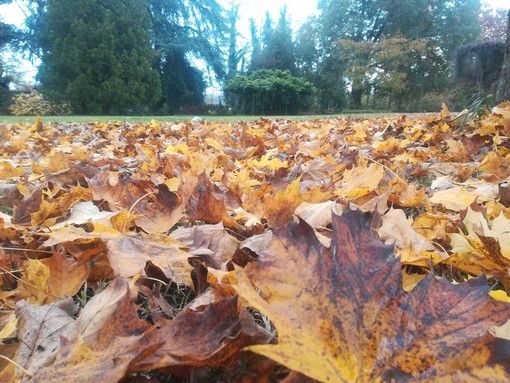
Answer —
(145, 119)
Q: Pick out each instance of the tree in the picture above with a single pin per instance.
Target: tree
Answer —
(183, 31)
(445, 25)
(503, 91)
(235, 55)
(479, 65)
(97, 55)
(307, 53)
(183, 85)
(385, 65)
(493, 22)
(268, 92)
(313, 64)
(8, 34)
(255, 46)
(275, 50)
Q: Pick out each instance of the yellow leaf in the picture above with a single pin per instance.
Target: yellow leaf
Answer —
(361, 181)
(181, 147)
(499, 295)
(9, 328)
(33, 284)
(280, 207)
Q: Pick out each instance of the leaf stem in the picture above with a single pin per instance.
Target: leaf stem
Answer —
(17, 365)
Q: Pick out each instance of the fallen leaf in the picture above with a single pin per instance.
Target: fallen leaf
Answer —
(212, 335)
(40, 329)
(109, 356)
(9, 326)
(211, 243)
(128, 253)
(361, 180)
(342, 315)
(67, 274)
(456, 199)
(33, 285)
(7, 171)
(412, 247)
(280, 206)
(101, 307)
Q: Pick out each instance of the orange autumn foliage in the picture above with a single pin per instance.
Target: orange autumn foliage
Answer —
(334, 250)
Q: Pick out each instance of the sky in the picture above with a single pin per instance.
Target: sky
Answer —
(298, 10)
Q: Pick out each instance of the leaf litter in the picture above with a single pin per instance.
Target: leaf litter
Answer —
(333, 250)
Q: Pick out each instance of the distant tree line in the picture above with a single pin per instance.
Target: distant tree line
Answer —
(140, 56)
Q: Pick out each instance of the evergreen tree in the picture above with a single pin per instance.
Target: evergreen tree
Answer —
(8, 35)
(97, 55)
(277, 50)
(235, 55)
(255, 47)
(268, 91)
(183, 30)
(307, 51)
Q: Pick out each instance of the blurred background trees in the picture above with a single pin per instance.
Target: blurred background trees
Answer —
(160, 56)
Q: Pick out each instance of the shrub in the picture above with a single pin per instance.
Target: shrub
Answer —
(268, 91)
(34, 104)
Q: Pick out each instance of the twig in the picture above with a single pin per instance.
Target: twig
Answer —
(17, 365)
(29, 250)
(387, 168)
(131, 208)
(29, 284)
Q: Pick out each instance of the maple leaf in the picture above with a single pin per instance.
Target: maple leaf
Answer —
(342, 315)
(207, 205)
(411, 247)
(103, 347)
(108, 339)
(280, 206)
(211, 335)
(129, 253)
(157, 208)
(40, 330)
(361, 180)
(211, 243)
(7, 170)
(486, 241)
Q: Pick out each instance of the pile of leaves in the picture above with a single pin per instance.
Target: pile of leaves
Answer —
(332, 250)
(34, 103)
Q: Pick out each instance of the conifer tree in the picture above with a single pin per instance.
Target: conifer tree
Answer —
(97, 55)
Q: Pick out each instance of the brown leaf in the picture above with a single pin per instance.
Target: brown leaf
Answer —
(157, 208)
(280, 206)
(206, 205)
(67, 274)
(128, 253)
(342, 315)
(39, 332)
(107, 358)
(28, 205)
(211, 243)
(212, 335)
(101, 307)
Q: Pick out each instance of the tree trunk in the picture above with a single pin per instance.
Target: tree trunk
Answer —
(503, 92)
(356, 98)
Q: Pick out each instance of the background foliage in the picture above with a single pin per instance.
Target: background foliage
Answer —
(160, 57)
(267, 91)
